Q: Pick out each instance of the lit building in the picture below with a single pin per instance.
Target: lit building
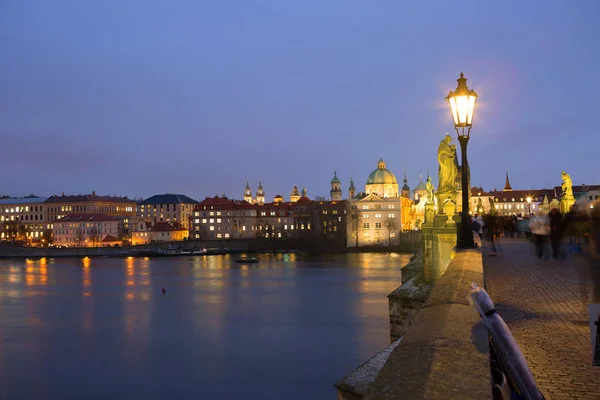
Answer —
(174, 208)
(336, 188)
(60, 206)
(155, 232)
(260, 194)
(24, 219)
(223, 218)
(86, 230)
(375, 215)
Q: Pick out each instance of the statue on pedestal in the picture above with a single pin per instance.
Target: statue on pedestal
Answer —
(429, 187)
(448, 172)
(567, 199)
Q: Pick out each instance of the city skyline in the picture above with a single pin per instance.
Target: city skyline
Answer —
(202, 98)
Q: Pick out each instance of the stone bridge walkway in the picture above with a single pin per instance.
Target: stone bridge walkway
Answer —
(544, 304)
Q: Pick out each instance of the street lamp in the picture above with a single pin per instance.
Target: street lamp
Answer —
(529, 203)
(462, 105)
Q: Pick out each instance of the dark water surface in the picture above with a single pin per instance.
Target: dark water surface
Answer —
(285, 328)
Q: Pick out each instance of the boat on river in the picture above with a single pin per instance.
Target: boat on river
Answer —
(247, 260)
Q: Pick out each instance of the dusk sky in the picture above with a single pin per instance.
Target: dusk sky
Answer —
(196, 97)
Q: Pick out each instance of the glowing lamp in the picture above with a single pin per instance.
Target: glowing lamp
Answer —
(462, 104)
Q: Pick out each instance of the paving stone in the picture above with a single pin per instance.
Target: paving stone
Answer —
(544, 303)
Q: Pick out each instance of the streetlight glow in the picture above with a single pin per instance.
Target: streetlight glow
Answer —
(462, 104)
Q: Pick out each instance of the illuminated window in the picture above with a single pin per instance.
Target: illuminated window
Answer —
(324, 212)
(365, 207)
(391, 215)
(218, 220)
(218, 235)
(197, 221)
(377, 215)
(212, 221)
(212, 213)
(365, 216)
(366, 235)
(226, 235)
(203, 220)
(218, 212)
(391, 206)
(212, 228)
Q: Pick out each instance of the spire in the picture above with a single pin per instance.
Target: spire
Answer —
(260, 185)
(405, 187)
(507, 187)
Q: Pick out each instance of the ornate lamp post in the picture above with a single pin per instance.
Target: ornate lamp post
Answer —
(529, 203)
(462, 105)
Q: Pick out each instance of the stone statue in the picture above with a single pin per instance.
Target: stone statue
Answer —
(429, 187)
(567, 186)
(567, 199)
(448, 172)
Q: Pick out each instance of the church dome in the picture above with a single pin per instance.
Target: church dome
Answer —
(381, 176)
(421, 187)
(335, 179)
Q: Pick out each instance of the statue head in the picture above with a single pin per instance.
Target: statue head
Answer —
(447, 138)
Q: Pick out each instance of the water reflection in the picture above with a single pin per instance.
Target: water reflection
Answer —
(275, 325)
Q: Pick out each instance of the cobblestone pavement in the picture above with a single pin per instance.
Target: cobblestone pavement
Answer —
(544, 304)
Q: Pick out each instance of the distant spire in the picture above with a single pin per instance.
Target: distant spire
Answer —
(507, 187)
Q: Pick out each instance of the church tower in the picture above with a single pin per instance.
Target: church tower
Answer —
(248, 194)
(295, 195)
(260, 194)
(303, 192)
(507, 187)
(351, 189)
(405, 187)
(336, 188)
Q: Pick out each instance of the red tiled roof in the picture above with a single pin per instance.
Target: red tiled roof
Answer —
(167, 226)
(222, 203)
(110, 238)
(87, 217)
(304, 199)
(536, 194)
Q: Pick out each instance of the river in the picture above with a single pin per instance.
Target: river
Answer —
(288, 327)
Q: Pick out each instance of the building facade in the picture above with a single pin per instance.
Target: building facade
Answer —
(60, 206)
(86, 230)
(24, 220)
(375, 216)
(171, 208)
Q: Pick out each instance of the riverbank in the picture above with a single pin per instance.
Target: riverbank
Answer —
(212, 247)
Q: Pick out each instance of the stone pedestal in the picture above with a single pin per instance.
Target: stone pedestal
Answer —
(439, 241)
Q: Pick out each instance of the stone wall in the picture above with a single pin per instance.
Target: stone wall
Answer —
(405, 302)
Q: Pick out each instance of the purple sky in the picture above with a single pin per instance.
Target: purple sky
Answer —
(197, 97)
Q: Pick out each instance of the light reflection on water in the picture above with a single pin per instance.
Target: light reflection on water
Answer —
(287, 327)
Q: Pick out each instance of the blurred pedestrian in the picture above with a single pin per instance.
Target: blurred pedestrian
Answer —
(540, 228)
(556, 224)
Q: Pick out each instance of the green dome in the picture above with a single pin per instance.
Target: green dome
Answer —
(421, 186)
(335, 179)
(381, 176)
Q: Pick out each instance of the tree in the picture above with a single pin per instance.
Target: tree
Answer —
(48, 235)
(355, 223)
(79, 236)
(480, 208)
(390, 224)
(94, 235)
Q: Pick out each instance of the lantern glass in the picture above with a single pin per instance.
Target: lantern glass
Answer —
(462, 104)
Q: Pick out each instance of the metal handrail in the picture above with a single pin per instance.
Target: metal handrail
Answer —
(514, 364)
